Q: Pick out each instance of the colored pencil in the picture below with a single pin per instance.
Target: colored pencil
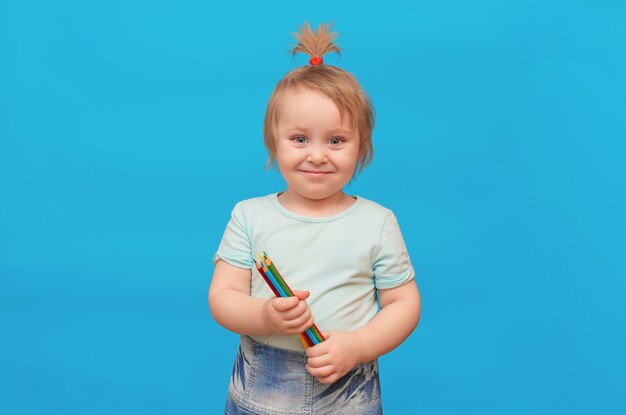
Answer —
(306, 342)
(282, 287)
(274, 275)
(304, 338)
(317, 334)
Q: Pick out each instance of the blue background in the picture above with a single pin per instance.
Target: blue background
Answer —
(128, 131)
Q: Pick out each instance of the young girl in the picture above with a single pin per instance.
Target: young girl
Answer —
(344, 256)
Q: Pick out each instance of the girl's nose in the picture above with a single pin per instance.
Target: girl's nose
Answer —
(316, 155)
(317, 158)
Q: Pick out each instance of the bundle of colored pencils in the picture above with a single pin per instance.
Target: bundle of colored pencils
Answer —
(276, 282)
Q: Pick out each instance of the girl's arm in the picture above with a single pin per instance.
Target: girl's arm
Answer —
(233, 308)
(398, 317)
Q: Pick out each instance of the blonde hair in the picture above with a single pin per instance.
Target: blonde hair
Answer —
(335, 83)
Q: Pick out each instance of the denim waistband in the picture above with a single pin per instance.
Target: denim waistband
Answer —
(273, 381)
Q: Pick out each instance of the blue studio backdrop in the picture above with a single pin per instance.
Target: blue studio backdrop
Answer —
(129, 130)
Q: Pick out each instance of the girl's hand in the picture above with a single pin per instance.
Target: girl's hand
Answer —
(288, 315)
(333, 358)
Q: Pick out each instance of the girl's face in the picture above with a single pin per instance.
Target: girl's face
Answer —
(316, 151)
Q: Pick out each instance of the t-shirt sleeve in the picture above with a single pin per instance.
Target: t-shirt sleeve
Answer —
(235, 246)
(392, 265)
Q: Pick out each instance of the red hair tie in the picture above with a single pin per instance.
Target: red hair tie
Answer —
(316, 60)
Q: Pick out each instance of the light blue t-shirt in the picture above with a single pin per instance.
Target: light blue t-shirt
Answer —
(341, 259)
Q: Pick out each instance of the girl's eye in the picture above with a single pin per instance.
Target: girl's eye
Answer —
(336, 140)
(299, 139)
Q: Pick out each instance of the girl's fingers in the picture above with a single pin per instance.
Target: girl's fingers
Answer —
(285, 303)
(298, 311)
(305, 326)
(320, 372)
(302, 295)
(317, 350)
(297, 319)
(300, 328)
(320, 361)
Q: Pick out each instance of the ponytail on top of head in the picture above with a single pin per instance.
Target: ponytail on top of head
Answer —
(315, 43)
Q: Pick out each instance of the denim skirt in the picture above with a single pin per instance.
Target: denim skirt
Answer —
(268, 380)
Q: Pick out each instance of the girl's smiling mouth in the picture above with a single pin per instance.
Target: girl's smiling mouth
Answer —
(315, 173)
